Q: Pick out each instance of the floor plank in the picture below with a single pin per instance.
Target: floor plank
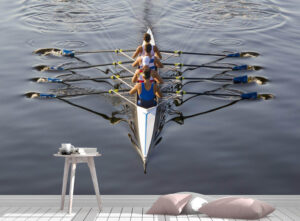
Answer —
(159, 217)
(137, 212)
(285, 215)
(126, 212)
(101, 218)
(81, 213)
(50, 213)
(113, 218)
(193, 218)
(125, 208)
(10, 212)
(92, 215)
(171, 218)
(104, 213)
(295, 210)
(37, 215)
(277, 214)
(115, 213)
(203, 217)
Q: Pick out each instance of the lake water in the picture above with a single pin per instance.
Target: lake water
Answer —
(251, 147)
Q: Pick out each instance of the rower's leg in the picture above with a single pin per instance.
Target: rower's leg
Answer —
(91, 165)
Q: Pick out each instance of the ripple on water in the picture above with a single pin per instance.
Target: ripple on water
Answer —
(226, 42)
(70, 44)
(71, 16)
(228, 15)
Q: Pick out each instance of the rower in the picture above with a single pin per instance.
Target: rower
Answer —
(144, 62)
(138, 76)
(147, 91)
(140, 51)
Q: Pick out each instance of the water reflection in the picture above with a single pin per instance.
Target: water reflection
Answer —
(72, 16)
(224, 14)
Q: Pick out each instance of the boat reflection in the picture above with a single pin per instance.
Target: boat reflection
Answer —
(165, 111)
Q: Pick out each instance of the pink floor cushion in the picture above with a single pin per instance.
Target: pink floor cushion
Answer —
(195, 203)
(171, 204)
(237, 208)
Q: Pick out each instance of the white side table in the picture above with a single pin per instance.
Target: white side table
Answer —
(73, 159)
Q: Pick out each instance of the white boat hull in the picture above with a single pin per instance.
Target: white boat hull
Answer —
(146, 123)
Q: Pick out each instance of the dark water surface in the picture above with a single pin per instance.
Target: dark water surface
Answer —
(251, 147)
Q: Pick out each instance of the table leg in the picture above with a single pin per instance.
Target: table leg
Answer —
(72, 181)
(91, 165)
(65, 181)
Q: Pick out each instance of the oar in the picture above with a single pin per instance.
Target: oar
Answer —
(46, 95)
(237, 54)
(234, 68)
(235, 80)
(58, 80)
(251, 95)
(72, 53)
(243, 96)
(53, 68)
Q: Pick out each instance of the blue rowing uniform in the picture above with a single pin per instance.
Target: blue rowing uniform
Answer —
(147, 98)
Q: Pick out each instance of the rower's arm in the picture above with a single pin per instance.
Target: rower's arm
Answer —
(157, 91)
(134, 89)
(158, 63)
(157, 77)
(135, 63)
(157, 52)
(135, 77)
(137, 52)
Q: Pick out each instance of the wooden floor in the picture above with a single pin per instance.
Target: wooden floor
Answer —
(119, 208)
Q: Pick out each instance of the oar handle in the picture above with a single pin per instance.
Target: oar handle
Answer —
(240, 67)
(54, 80)
(240, 79)
(69, 53)
(43, 95)
(192, 53)
(234, 55)
(251, 95)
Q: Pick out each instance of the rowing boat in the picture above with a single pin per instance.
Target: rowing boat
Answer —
(145, 122)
